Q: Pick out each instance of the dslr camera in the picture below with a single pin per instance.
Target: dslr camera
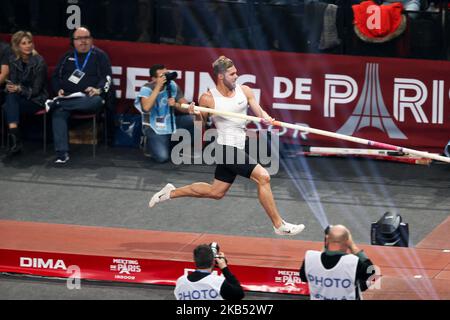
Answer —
(326, 231)
(216, 249)
(171, 75)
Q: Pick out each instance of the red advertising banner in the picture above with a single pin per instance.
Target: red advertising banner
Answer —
(150, 271)
(403, 102)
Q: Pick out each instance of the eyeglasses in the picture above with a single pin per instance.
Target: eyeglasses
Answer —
(83, 38)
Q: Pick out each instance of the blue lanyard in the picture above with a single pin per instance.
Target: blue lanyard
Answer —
(85, 60)
(159, 110)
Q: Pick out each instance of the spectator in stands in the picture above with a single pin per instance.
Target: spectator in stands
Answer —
(160, 103)
(203, 284)
(85, 70)
(335, 273)
(26, 87)
(5, 52)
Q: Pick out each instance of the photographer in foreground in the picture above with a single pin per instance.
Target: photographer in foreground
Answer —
(159, 102)
(203, 284)
(341, 271)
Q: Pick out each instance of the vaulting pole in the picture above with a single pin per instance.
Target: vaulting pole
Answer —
(324, 133)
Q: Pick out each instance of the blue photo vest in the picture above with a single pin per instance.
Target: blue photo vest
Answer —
(162, 117)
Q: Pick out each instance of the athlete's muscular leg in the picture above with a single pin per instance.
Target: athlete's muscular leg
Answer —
(216, 190)
(262, 179)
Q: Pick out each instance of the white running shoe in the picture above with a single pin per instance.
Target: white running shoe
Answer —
(289, 229)
(161, 196)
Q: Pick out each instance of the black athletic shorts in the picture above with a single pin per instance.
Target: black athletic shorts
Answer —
(233, 162)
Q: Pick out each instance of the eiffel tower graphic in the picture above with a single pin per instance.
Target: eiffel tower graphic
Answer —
(371, 110)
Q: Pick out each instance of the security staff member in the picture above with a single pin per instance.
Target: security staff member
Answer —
(203, 285)
(334, 274)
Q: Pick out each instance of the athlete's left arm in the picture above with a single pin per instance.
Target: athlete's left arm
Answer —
(254, 105)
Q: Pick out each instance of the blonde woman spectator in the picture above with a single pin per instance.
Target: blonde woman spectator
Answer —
(26, 87)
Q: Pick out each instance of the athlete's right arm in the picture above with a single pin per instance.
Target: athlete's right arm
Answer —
(206, 100)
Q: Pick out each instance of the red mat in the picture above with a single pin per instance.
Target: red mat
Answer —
(160, 257)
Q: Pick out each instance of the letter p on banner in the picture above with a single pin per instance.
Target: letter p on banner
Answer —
(334, 96)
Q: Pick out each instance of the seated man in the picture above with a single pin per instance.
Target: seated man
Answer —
(85, 69)
(157, 101)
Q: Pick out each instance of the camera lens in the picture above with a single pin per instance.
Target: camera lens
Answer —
(171, 75)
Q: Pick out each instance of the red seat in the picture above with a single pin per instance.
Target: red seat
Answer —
(93, 117)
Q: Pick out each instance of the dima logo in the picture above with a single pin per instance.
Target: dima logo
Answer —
(40, 263)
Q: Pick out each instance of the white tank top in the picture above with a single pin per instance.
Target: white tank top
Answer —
(207, 288)
(231, 131)
(337, 283)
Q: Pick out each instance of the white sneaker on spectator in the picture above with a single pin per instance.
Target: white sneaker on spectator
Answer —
(62, 157)
(289, 229)
(161, 196)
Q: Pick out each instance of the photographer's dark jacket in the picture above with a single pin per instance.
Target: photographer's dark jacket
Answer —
(210, 287)
(31, 76)
(330, 259)
(96, 71)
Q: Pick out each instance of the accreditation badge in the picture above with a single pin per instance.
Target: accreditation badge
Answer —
(160, 122)
(76, 76)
